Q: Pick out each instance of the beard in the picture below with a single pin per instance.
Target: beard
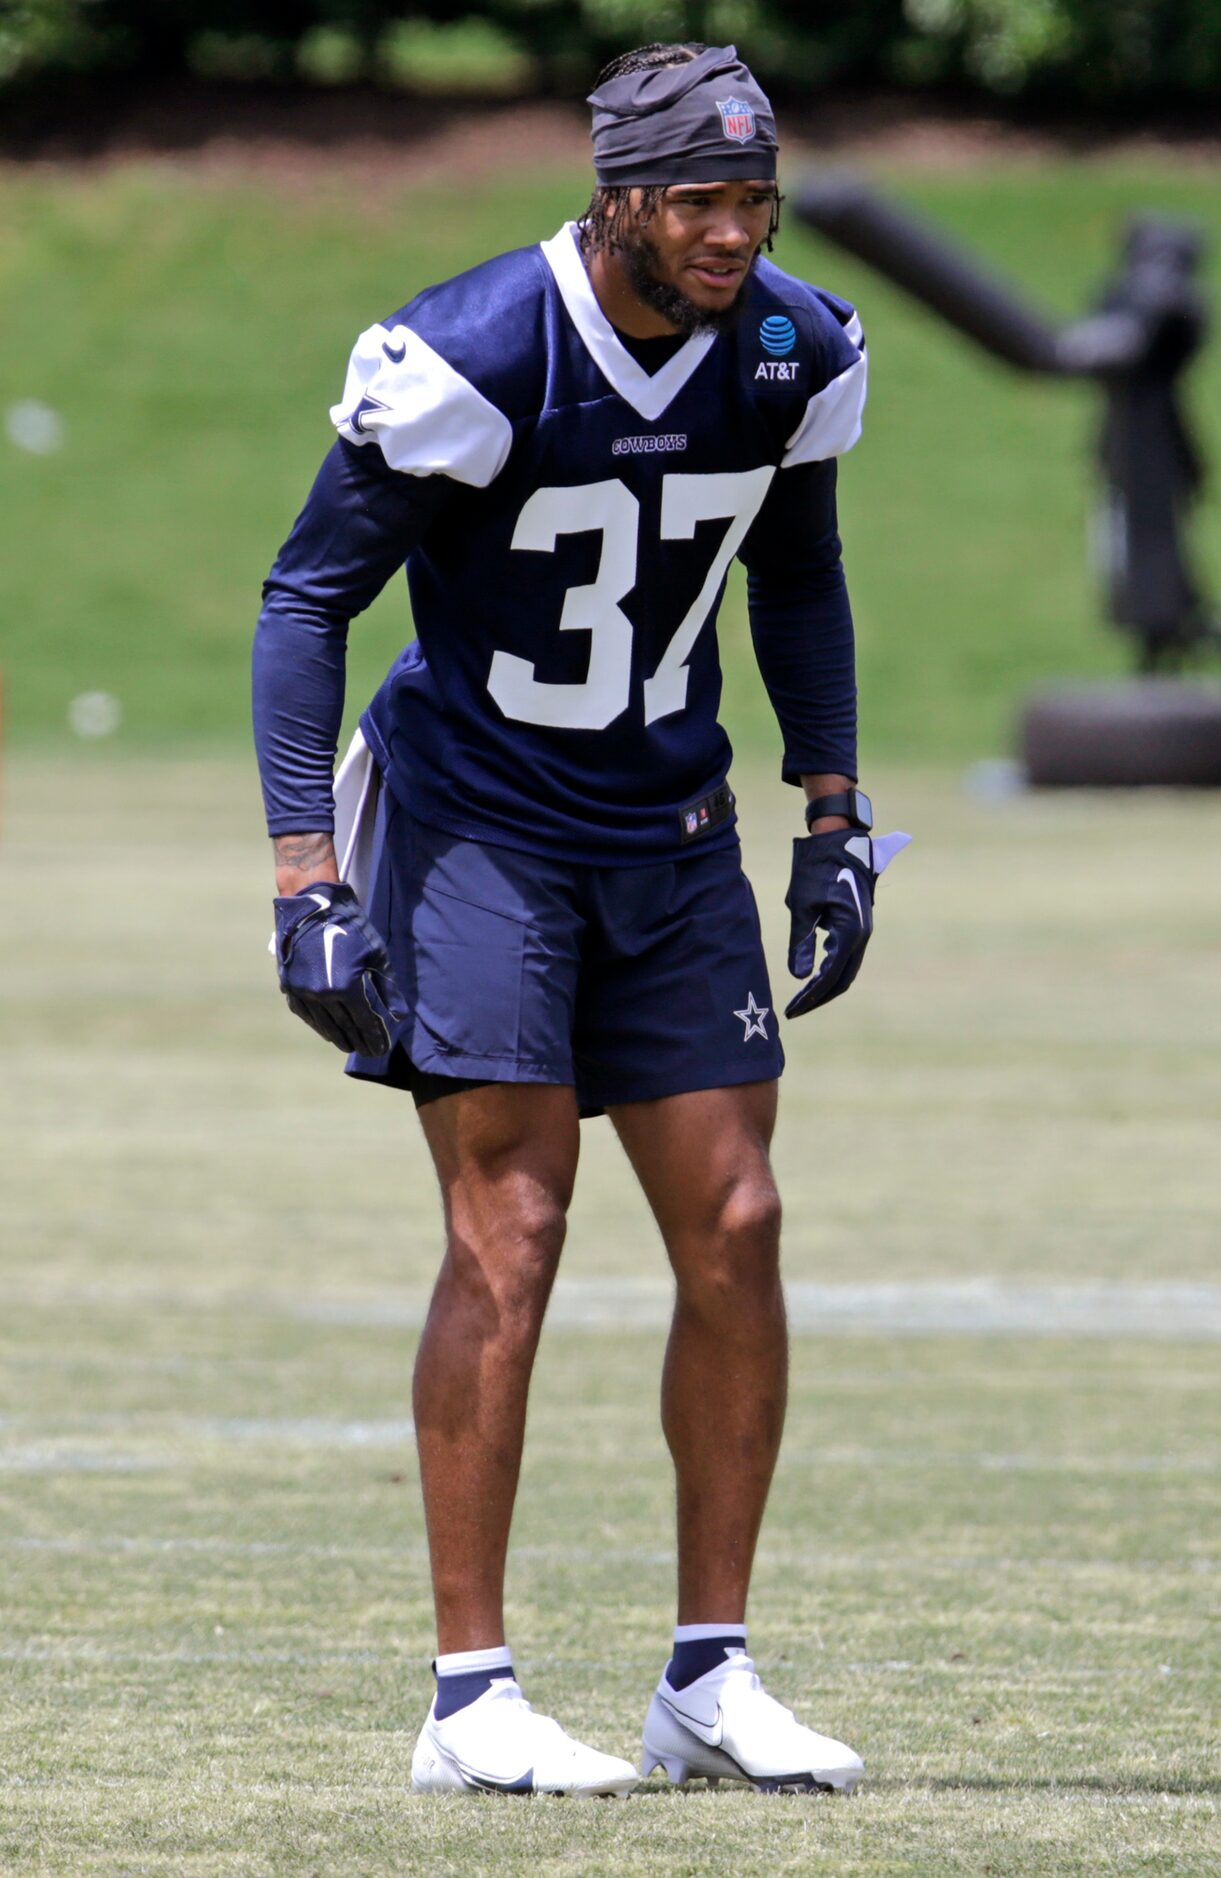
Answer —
(642, 265)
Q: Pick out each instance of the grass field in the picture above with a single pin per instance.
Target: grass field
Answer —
(192, 329)
(990, 1560)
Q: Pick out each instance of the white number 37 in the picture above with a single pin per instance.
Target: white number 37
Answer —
(611, 509)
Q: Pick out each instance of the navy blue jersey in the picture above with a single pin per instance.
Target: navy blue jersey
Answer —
(567, 521)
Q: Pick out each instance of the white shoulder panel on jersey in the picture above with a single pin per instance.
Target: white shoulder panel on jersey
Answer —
(832, 421)
(426, 419)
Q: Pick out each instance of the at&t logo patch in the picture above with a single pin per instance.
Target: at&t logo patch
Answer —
(781, 366)
(777, 335)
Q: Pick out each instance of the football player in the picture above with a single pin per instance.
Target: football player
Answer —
(537, 909)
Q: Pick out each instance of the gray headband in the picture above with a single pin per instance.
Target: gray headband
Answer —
(705, 121)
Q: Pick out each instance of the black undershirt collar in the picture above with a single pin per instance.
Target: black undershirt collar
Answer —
(654, 352)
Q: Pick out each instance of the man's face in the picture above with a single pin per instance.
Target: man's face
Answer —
(690, 259)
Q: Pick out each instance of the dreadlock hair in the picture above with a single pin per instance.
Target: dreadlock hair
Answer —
(598, 227)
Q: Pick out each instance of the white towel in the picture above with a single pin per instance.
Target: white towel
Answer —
(358, 784)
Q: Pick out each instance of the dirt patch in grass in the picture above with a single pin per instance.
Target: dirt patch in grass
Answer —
(293, 137)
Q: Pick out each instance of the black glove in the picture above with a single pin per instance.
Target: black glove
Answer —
(831, 888)
(334, 970)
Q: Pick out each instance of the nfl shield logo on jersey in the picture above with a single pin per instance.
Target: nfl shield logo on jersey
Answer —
(737, 119)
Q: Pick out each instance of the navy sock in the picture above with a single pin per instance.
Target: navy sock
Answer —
(462, 1678)
(694, 1656)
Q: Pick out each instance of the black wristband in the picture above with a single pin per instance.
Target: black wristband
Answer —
(853, 804)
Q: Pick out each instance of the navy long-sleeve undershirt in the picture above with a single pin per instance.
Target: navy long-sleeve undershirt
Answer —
(359, 524)
(801, 621)
(361, 521)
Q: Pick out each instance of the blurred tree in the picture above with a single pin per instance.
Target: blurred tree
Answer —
(1103, 52)
(1095, 50)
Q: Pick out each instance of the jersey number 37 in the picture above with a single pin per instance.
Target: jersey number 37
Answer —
(612, 510)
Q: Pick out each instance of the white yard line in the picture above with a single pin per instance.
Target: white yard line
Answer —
(55, 1447)
(58, 1451)
(930, 1307)
(304, 1431)
(975, 1306)
(122, 1544)
(42, 1459)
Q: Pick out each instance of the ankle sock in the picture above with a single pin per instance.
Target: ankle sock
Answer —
(465, 1675)
(699, 1648)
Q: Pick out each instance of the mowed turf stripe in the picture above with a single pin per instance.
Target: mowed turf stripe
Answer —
(882, 1560)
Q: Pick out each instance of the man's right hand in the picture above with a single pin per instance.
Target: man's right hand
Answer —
(334, 969)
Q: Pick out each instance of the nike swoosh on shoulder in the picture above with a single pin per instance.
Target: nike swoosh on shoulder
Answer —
(712, 1733)
(395, 354)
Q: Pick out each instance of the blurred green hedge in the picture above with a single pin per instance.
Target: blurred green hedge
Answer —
(1095, 52)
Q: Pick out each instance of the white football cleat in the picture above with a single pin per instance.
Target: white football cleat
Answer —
(725, 1726)
(497, 1744)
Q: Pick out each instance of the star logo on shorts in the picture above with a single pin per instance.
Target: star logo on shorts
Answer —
(753, 1017)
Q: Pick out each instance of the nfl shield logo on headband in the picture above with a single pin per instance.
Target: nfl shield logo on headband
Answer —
(737, 119)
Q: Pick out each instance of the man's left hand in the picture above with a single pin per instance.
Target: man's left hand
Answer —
(831, 890)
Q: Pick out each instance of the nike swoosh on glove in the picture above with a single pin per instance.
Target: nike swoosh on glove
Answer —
(831, 888)
(334, 970)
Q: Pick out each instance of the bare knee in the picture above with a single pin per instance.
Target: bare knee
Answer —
(506, 1158)
(503, 1247)
(732, 1263)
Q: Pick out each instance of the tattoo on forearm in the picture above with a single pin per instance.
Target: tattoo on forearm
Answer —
(303, 852)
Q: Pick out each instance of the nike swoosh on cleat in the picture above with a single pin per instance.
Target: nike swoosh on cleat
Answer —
(712, 1733)
(524, 1783)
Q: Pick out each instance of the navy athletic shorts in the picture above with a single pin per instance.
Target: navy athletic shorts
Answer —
(628, 982)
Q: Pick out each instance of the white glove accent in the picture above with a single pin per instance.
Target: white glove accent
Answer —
(877, 851)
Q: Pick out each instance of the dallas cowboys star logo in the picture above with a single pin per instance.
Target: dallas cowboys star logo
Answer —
(753, 1017)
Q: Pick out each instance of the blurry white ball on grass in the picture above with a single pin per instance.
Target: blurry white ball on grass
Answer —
(95, 714)
(34, 427)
